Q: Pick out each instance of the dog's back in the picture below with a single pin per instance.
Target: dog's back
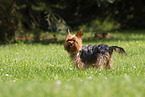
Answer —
(98, 55)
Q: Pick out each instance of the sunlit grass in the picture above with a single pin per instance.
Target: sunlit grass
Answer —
(29, 70)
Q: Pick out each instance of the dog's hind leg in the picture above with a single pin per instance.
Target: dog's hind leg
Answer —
(109, 61)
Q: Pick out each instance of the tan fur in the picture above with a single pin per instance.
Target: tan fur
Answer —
(76, 42)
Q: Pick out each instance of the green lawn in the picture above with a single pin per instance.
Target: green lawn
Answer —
(45, 70)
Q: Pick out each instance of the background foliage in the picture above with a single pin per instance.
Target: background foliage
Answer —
(54, 15)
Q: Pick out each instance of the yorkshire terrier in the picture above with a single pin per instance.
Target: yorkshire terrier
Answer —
(89, 55)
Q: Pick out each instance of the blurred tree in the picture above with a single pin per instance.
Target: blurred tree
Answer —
(129, 13)
(78, 12)
(52, 14)
(32, 14)
(8, 20)
(49, 14)
(40, 14)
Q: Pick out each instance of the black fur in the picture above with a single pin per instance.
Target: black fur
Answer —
(90, 53)
(121, 50)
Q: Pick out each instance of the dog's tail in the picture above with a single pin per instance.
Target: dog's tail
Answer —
(117, 49)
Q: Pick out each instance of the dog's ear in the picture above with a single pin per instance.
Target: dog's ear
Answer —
(68, 32)
(79, 33)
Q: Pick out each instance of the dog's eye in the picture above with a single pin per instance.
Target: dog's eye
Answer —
(68, 40)
(75, 41)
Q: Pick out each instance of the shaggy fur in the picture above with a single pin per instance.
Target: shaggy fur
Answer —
(89, 55)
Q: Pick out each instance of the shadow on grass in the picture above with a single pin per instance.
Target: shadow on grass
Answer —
(125, 36)
(87, 40)
(92, 39)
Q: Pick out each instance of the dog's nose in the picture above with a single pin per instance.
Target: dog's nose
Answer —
(71, 44)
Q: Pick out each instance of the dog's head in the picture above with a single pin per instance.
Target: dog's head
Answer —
(73, 43)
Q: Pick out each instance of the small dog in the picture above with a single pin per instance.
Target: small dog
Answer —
(89, 55)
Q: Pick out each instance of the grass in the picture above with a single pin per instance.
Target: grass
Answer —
(38, 70)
